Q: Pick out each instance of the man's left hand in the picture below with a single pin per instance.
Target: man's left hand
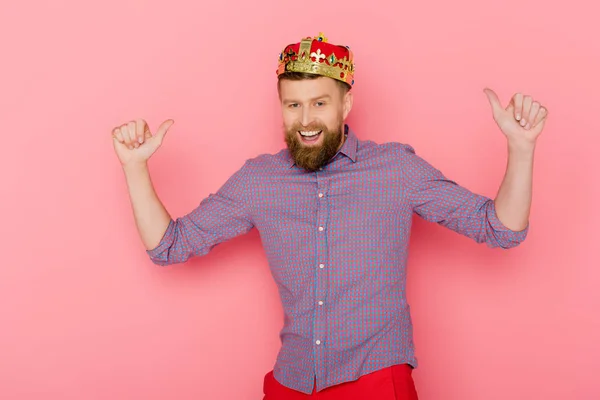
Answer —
(522, 120)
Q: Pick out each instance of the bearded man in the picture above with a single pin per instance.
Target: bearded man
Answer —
(334, 214)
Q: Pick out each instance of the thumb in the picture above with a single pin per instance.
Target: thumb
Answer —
(162, 129)
(494, 101)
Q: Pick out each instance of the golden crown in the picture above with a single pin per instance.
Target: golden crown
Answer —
(314, 55)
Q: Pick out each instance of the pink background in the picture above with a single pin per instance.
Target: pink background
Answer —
(84, 314)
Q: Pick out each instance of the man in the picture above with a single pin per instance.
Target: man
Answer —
(334, 214)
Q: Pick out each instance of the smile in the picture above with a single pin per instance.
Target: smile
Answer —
(310, 137)
(309, 134)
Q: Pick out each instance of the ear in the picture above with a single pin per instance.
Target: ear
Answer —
(348, 101)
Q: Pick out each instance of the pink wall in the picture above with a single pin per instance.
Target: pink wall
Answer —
(85, 315)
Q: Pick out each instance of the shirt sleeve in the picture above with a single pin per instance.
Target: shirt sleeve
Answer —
(438, 199)
(219, 217)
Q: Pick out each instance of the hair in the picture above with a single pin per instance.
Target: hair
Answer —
(298, 76)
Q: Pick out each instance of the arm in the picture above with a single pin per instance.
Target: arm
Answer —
(134, 144)
(438, 199)
(521, 122)
(502, 222)
(219, 217)
(513, 201)
(151, 217)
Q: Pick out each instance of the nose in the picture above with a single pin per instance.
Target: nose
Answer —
(306, 116)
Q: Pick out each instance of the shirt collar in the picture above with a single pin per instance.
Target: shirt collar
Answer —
(349, 147)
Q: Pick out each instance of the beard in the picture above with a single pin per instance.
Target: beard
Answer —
(311, 158)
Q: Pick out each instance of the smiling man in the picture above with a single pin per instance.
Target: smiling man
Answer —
(334, 214)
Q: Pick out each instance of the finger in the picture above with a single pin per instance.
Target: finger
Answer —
(116, 133)
(494, 101)
(535, 108)
(163, 128)
(518, 103)
(139, 130)
(511, 108)
(132, 133)
(126, 136)
(541, 116)
(125, 131)
(527, 101)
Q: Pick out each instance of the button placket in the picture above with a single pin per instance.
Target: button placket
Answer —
(321, 275)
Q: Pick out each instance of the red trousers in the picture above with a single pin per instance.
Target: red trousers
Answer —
(392, 383)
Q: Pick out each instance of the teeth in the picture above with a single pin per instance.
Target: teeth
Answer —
(309, 133)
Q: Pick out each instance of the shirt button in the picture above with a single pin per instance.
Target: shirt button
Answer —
(320, 302)
(321, 265)
(321, 229)
(321, 194)
(318, 342)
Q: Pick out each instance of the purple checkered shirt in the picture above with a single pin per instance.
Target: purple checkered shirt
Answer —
(337, 244)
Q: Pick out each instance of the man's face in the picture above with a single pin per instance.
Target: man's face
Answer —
(314, 111)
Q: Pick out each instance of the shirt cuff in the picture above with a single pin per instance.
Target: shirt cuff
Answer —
(507, 237)
(165, 241)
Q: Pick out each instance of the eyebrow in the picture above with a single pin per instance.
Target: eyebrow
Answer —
(323, 97)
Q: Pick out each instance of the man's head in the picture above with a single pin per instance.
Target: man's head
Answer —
(314, 82)
(314, 109)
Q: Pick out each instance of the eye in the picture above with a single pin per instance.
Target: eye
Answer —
(320, 103)
(293, 105)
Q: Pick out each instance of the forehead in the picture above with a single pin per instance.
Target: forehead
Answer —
(308, 89)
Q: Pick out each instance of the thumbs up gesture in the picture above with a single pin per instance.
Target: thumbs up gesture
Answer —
(522, 120)
(134, 142)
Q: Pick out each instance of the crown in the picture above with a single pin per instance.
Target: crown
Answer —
(314, 55)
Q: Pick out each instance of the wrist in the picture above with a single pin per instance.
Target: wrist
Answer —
(521, 147)
(135, 167)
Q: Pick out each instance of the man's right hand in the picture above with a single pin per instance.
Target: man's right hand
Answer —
(134, 143)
